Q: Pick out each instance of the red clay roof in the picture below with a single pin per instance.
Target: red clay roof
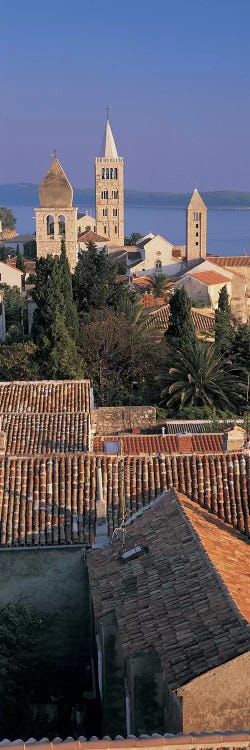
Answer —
(202, 322)
(228, 261)
(27, 434)
(210, 277)
(215, 741)
(45, 396)
(8, 234)
(172, 598)
(149, 444)
(229, 557)
(90, 236)
(52, 499)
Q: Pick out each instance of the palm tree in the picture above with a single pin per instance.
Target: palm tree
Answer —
(199, 376)
(158, 284)
(133, 311)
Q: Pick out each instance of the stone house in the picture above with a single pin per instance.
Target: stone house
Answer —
(91, 236)
(171, 606)
(11, 276)
(154, 254)
(85, 223)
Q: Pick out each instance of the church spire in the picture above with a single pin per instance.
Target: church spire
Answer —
(108, 150)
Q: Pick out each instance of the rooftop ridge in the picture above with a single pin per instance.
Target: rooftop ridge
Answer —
(240, 739)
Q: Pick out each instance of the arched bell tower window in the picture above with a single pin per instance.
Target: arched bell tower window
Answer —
(50, 226)
(61, 226)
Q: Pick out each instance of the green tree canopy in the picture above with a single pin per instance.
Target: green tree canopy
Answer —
(199, 376)
(120, 359)
(17, 361)
(70, 311)
(158, 284)
(95, 282)
(7, 218)
(14, 303)
(133, 239)
(56, 352)
(19, 629)
(224, 332)
(180, 327)
(20, 261)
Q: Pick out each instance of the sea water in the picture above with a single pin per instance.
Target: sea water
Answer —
(228, 230)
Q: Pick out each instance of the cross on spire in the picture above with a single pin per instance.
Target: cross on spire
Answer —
(107, 110)
(53, 154)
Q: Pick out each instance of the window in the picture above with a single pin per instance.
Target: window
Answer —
(103, 174)
(158, 264)
(111, 173)
(105, 194)
(115, 212)
(116, 230)
(107, 174)
(115, 194)
(197, 226)
(197, 243)
(105, 229)
(115, 173)
(104, 211)
(197, 234)
(50, 226)
(61, 226)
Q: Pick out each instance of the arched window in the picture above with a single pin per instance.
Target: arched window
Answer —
(61, 226)
(50, 226)
(158, 264)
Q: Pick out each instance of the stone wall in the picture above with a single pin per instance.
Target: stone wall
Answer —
(118, 419)
(218, 700)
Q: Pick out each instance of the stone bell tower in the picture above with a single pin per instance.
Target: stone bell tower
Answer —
(56, 219)
(196, 228)
(109, 190)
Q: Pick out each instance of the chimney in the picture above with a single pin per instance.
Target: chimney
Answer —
(2, 440)
(233, 438)
(101, 534)
(184, 444)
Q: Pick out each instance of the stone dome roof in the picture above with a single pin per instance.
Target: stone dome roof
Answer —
(55, 190)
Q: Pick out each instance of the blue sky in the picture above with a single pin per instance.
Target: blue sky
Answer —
(176, 75)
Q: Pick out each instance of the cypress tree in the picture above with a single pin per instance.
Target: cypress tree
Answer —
(20, 261)
(70, 311)
(56, 352)
(180, 327)
(223, 328)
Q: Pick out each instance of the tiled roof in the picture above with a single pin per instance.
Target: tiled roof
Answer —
(8, 234)
(172, 597)
(215, 741)
(179, 251)
(27, 434)
(190, 426)
(135, 444)
(90, 236)
(45, 396)
(200, 321)
(210, 277)
(229, 261)
(52, 499)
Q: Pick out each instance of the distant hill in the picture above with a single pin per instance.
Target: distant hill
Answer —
(26, 194)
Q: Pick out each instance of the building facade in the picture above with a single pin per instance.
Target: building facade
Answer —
(109, 190)
(56, 219)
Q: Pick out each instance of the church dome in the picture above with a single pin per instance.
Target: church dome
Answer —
(55, 190)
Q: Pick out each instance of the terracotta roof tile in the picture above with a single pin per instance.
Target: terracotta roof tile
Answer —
(210, 277)
(27, 434)
(178, 603)
(45, 396)
(149, 444)
(52, 499)
(8, 234)
(215, 741)
(229, 261)
(201, 321)
(90, 236)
